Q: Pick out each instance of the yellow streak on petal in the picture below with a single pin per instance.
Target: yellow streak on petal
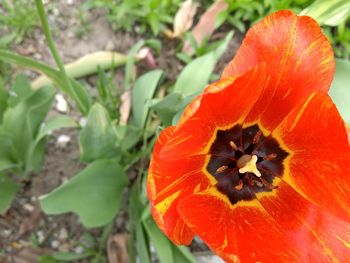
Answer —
(163, 206)
(347, 244)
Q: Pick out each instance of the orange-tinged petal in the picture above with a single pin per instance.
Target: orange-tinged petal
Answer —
(320, 236)
(299, 59)
(218, 107)
(319, 166)
(245, 233)
(169, 181)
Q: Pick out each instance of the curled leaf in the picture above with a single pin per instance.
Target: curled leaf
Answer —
(125, 107)
(184, 18)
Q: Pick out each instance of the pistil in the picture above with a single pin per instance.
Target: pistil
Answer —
(247, 164)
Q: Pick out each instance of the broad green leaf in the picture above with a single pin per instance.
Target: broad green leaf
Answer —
(98, 139)
(328, 12)
(142, 92)
(20, 90)
(340, 89)
(94, 194)
(167, 107)
(22, 122)
(35, 156)
(58, 122)
(196, 75)
(8, 190)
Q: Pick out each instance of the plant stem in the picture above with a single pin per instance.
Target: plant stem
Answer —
(67, 87)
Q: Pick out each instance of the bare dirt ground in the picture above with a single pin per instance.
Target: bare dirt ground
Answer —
(25, 232)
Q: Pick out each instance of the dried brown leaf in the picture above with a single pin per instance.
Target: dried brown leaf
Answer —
(184, 18)
(206, 25)
(125, 107)
(117, 248)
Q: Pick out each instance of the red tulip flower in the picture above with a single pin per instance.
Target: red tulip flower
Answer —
(259, 164)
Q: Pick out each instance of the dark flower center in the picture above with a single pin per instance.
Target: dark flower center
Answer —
(245, 162)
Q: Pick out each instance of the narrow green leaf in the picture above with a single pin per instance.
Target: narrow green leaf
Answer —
(161, 243)
(142, 92)
(3, 99)
(340, 90)
(94, 194)
(8, 190)
(328, 12)
(138, 238)
(98, 139)
(182, 254)
(68, 256)
(10, 57)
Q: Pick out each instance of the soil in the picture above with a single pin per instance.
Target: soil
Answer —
(25, 232)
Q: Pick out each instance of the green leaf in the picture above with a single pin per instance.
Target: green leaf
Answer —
(143, 91)
(182, 254)
(22, 122)
(94, 194)
(8, 156)
(58, 122)
(8, 190)
(68, 256)
(167, 252)
(196, 75)
(340, 91)
(20, 90)
(3, 99)
(330, 13)
(161, 243)
(81, 95)
(98, 139)
(138, 237)
(23, 61)
(167, 107)
(36, 152)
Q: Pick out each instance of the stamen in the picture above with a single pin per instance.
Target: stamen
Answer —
(267, 184)
(239, 186)
(221, 169)
(249, 165)
(270, 157)
(233, 146)
(257, 137)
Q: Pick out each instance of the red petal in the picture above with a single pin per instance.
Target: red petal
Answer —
(318, 235)
(299, 59)
(246, 232)
(218, 107)
(319, 166)
(169, 181)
